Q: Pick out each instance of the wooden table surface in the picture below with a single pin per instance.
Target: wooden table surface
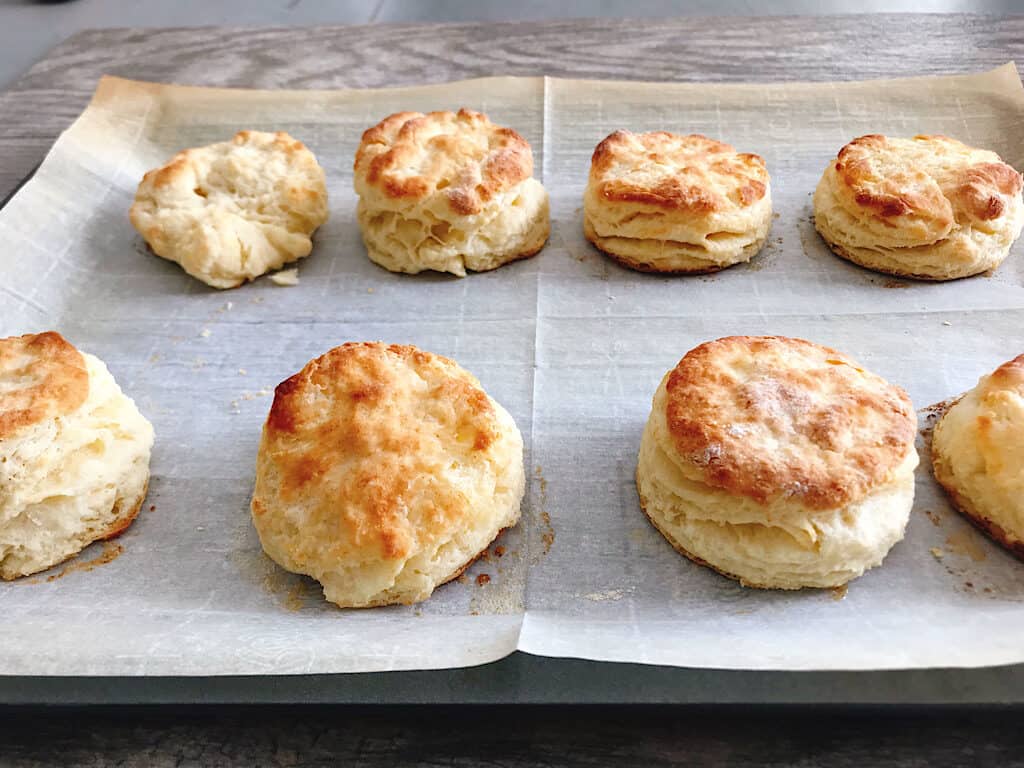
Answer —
(55, 91)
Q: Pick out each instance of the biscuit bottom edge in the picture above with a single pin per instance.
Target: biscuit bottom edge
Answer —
(993, 530)
(701, 561)
(118, 526)
(870, 259)
(380, 603)
(676, 264)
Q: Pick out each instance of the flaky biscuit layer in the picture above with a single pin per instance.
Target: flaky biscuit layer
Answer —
(661, 202)
(928, 207)
(449, 192)
(778, 462)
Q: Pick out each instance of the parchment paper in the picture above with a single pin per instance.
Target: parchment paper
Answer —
(570, 343)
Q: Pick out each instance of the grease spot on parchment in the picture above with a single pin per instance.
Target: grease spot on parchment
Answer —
(289, 590)
(110, 552)
(966, 543)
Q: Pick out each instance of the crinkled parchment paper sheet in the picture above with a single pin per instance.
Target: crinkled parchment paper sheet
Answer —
(572, 344)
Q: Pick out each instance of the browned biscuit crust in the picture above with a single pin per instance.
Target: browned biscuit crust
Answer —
(697, 174)
(463, 156)
(769, 417)
(879, 177)
(49, 377)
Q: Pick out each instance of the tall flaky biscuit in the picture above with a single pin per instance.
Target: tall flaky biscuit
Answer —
(448, 191)
(778, 462)
(978, 454)
(74, 453)
(928, 207)
(232, 211)
(383, 472)
(659, 202)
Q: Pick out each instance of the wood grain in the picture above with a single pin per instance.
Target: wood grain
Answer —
(55, 90)
(505, 737)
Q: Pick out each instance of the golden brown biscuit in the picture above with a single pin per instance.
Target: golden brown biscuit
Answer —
(74, 453)
(232, 211)
(383, 472)
(449, 192)
(659, 202)
(978, 454)
(778, 462)
(928, 207)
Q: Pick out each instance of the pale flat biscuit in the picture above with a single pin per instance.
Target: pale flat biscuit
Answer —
(978, 453)
(74, 453)
(448, 192)
(233, 211)
(659, 202)
(383, 472)
(778, 462)
(928, 207)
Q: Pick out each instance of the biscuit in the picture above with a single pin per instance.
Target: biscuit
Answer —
(383, 472)
(659, 202)
(778, 462)
(927, 207)
(978, 453)
(233, 211)
(74, 453)
(448, 192)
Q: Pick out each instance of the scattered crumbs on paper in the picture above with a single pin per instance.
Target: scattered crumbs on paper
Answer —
(242, 372)
(776, 215)
(200, 528)
(482, 579)
(256, 299)
(155, 357)
(418, 612)
(499, 551)
(206, 333)
(226, 307)
(253, 395)
(930, 417)
(608, 594)
(369, 290)
(547, 531)
(966, 543)
(234, 407)
(152, 507)
(462, 578)
(946, 322)
(839, 593)
(937, 552)
(935, 517)
(111, 551)
(285, 277)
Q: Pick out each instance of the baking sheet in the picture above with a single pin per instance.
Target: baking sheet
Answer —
(570, 343)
